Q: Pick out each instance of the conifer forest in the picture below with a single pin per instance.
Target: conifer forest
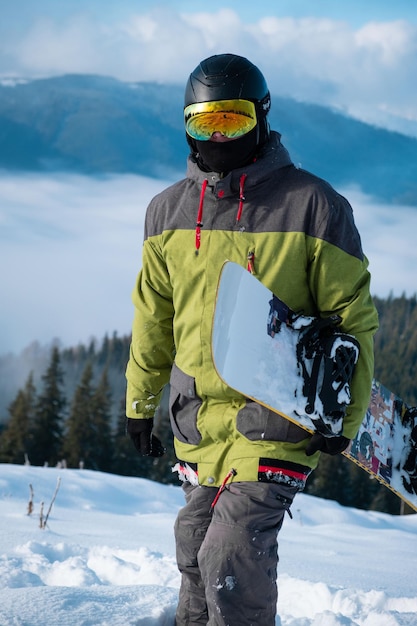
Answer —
(71, 410)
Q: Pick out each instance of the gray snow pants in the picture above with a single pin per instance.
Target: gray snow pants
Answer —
(228, 558)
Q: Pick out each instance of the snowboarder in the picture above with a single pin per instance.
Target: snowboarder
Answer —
(242, 199)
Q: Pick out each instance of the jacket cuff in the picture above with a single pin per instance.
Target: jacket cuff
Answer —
(142, 408)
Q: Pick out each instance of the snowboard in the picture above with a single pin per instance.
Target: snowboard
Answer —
(259, 357)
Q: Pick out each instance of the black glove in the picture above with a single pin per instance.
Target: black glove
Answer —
(329, 445)
(140, 431)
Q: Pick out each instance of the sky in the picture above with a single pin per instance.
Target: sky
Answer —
(107, 556)
(70, 250)
(360, 57)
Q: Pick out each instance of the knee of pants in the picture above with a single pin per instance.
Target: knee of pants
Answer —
(191, 526)
(233, 543)
(188, 542)
(239, 574)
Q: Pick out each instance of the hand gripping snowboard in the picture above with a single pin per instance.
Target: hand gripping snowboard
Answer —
(300, 367)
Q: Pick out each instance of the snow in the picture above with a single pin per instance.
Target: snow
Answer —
(107, 556)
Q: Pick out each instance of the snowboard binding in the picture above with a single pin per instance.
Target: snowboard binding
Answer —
(279, 314)
(326, 359)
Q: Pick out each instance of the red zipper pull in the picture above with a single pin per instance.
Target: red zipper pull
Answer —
(241, 196)
(222, 487)
(251, 262)
(199, 224)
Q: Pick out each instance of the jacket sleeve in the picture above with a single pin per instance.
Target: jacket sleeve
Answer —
(340, 283)
(152, 345)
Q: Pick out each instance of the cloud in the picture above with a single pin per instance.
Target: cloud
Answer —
(70, 250)
(368, 70)
(387, 233)
(53, 48)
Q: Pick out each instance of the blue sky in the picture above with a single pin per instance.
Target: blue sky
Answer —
(358, 56)
(356, 12)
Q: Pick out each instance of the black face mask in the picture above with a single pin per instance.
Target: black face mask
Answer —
(229, 155)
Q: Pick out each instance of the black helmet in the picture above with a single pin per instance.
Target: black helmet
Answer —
(230, 77)
(227, 77)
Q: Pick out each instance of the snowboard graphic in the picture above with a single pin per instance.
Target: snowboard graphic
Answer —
(258, 349)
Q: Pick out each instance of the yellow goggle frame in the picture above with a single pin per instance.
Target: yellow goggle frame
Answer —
(231, 118)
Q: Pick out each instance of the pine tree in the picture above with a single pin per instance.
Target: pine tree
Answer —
(126, 460)
(49, 415)
(15, 441)
(101, 420)
(360, 487)
(328, 480)
(104, 352)
(385, 500)
(79, 445)
(162, 468)
(125, 457)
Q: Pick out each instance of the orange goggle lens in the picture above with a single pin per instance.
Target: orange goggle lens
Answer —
(231, 118)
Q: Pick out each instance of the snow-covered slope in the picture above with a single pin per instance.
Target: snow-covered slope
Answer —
(107, 556)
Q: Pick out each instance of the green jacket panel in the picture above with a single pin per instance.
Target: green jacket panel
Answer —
(306, 250)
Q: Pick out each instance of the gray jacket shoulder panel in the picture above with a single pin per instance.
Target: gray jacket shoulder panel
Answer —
(278, 197)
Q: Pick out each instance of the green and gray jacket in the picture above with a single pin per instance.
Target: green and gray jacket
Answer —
(305, 248)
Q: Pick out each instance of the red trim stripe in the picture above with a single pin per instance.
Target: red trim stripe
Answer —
(281, 470)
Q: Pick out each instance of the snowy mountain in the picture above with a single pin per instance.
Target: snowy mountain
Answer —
(107, 556)
(95, 125)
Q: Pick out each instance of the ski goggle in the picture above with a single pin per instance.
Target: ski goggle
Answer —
(231, 118)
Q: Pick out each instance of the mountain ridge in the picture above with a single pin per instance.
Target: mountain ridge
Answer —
(98, 125)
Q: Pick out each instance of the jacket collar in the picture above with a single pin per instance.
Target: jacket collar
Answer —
(274, 156)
